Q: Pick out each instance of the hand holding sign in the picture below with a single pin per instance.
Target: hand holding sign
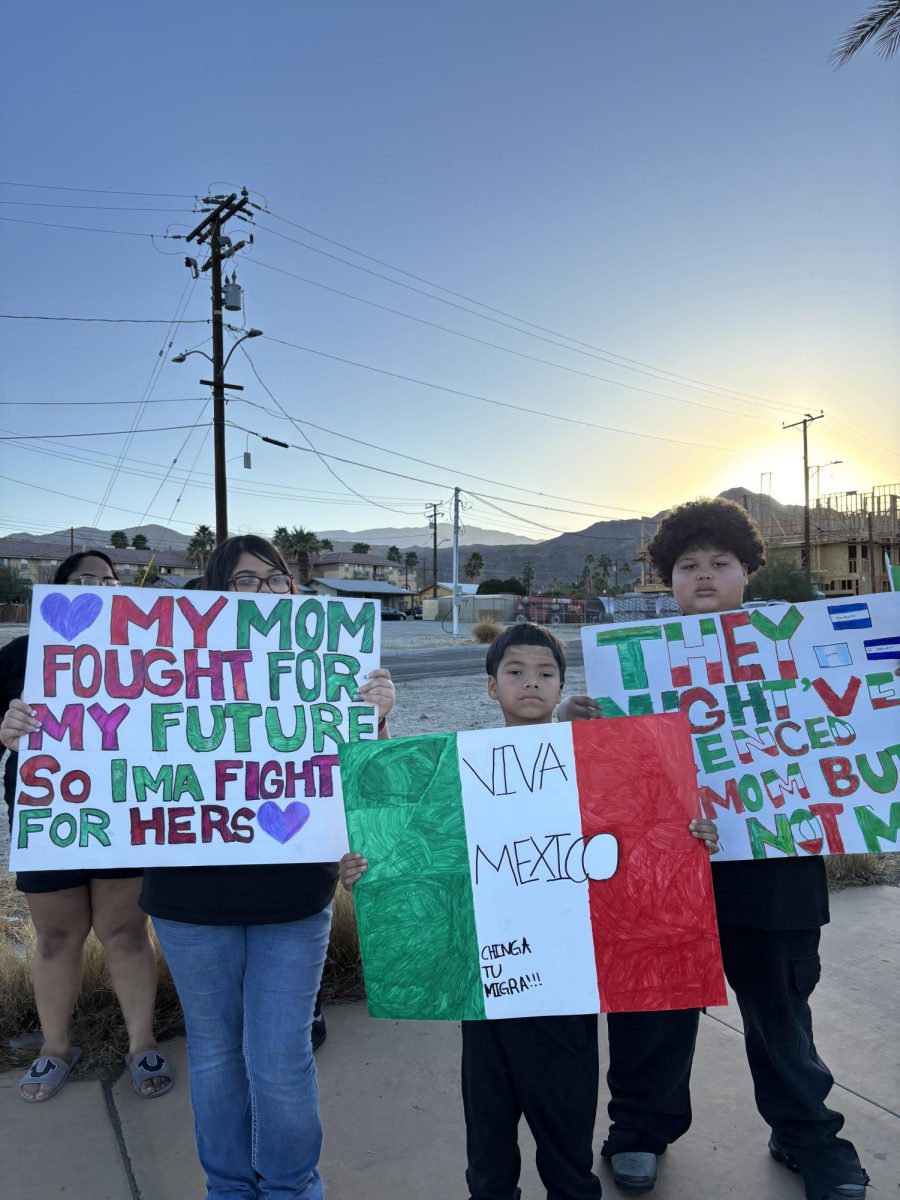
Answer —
(193, 729)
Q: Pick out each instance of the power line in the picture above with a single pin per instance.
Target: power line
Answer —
(585, 347)
(164, 480)
(40, 437)
(656, 437)
(591, 537)
(180, 309)
(427, 463)
(303, 434)
(506, 349)
(83, 499)
(55, 187)
(401, 475)
(79, 403)
(100, 207)
(91, 228)
(105, 320)
(284, 496)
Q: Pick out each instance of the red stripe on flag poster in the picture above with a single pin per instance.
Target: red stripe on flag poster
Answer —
(656, 942)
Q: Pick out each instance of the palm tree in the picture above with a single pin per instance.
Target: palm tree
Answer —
(298, 545)
(201, 546)
(393, 554)
(410, 562)
(527, 578)
(474, 565)
(881, 23)
(360, 548)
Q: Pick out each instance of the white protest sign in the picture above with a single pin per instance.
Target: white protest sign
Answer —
(189, 729)
(794, 713)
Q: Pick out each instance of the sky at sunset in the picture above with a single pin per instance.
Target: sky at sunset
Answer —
(582, 259)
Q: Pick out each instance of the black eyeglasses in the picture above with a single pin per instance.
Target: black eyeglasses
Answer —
(253, 583)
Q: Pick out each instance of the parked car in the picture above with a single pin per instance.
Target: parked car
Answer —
(392, 614)
(415, 612)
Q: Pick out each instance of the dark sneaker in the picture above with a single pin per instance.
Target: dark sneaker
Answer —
(319, 1032)
(634, 1170)
(837, 1191)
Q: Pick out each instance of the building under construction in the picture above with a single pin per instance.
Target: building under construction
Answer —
(850, 533)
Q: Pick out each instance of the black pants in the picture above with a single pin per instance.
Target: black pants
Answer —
(545, 1068)
(773, 973)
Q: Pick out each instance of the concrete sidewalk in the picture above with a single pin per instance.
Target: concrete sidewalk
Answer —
(393, 1117)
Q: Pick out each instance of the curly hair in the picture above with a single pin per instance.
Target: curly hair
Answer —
(706, 524)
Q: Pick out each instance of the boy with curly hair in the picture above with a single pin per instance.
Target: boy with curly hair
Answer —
(770, 916)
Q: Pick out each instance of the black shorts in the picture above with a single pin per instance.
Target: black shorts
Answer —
(33, 882)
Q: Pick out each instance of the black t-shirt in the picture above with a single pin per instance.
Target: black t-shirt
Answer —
(785, 893)
(12, 680)
(255, 895)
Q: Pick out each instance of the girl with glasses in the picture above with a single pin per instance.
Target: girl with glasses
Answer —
(66, 905)
(246, 947)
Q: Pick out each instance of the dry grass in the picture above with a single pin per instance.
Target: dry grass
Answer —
(343, 977)
(857, 870)
(97, 1024)
(486, 630)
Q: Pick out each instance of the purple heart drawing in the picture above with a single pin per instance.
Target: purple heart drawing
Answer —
(282, 824)
(68, 617)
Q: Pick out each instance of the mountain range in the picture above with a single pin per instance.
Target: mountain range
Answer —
(504, 554)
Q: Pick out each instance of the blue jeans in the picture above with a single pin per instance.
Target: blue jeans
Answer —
(248, 993)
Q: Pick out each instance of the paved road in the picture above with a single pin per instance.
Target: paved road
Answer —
(453, 660)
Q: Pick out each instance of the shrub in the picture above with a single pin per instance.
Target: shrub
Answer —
(486, 630)
(97, 1024)
(342, 978)
(780, 579)
(501, 587)
(853, 870)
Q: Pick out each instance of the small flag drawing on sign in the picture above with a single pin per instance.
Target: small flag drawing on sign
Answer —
(849, 616)
(886, 647)
(836, 655)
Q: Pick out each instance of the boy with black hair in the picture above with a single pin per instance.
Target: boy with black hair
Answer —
(543, 1068)
(770, 916)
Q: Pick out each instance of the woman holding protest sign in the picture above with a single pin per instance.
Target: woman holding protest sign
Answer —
(65, 905)
(246, 946)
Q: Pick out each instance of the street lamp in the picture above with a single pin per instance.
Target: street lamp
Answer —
(218, 385)
(183, 356)
(835, 462)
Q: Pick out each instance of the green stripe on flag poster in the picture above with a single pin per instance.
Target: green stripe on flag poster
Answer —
(414, 906)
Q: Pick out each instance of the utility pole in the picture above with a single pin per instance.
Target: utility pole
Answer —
(210, 229)
(433, 522)
(456, 562)
(805, 422)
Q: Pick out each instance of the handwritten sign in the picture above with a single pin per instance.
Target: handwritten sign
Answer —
(794, 712)
(190, 729)
(545, 869)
